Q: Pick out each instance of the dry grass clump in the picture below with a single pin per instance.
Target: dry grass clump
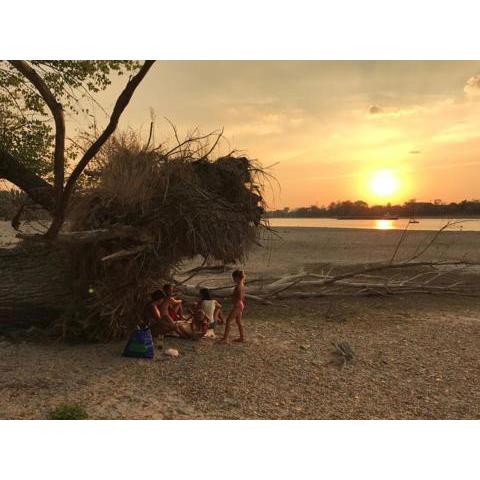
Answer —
(167, 205)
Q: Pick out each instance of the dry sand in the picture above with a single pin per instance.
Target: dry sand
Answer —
(294, 248)
(415, 357)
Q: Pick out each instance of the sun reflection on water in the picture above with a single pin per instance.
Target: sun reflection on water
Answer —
(383, 224)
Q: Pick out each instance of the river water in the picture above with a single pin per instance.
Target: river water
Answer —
(7, 234)
(424, 224)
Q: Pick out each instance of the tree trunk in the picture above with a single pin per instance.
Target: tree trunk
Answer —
(34, 283)
(13, 170)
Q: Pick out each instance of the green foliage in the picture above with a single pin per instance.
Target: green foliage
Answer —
(26, 126)
(68, 412)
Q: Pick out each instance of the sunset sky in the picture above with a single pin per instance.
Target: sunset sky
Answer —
(373, 130)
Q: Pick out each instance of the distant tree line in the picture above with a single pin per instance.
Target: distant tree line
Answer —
(12, 200)
(410, 209)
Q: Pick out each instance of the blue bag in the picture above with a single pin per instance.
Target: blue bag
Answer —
(140, 344)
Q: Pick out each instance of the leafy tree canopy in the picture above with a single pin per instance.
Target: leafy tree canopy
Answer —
(26, 127)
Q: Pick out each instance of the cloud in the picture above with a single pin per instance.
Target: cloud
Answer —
(257, 123)
(377, 111)
(472, 86)
(373, 109)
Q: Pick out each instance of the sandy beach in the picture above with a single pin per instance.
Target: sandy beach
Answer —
(415, 356)
(293, 248)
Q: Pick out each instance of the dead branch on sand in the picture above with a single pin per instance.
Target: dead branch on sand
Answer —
(429, 277)
(433, 281)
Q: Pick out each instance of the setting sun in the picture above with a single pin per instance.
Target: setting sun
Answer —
(384, 183)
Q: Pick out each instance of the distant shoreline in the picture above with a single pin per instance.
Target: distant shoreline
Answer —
(421, 224)
(400, 217)
(391, 231)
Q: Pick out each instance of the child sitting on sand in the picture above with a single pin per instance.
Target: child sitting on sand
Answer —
(212, 311)
(157, 317)
(199, 322)
(175, 304)
(236, 314)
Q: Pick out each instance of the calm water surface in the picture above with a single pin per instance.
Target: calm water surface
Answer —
(467, 225)
(7, 234)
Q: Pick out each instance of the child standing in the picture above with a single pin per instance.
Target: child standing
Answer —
(236, 313)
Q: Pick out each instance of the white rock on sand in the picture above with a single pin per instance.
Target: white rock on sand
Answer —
(171, 352)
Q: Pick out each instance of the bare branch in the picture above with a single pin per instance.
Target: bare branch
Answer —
(212, 148)
(194, 272)
(190, 139)
(436, 235)
(149, 137)
(174, 132)
(16, 219)
(399, 244)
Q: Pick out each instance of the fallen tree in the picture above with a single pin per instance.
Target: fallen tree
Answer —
(140, 215)
(436, 278)
(34, 283)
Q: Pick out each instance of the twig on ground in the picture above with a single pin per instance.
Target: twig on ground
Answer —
(343, 354)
